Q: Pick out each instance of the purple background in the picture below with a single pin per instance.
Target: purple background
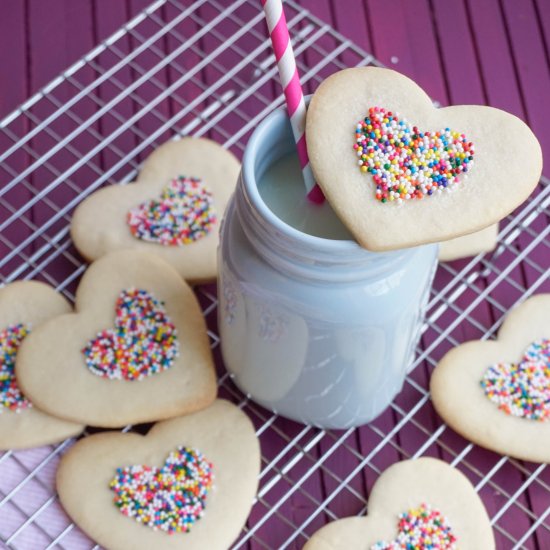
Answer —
(491, 52)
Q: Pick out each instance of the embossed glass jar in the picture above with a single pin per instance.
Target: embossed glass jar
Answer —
(318, 330)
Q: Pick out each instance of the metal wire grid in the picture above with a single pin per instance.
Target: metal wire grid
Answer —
(206, 69)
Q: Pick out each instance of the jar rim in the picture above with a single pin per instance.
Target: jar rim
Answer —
(251, 166)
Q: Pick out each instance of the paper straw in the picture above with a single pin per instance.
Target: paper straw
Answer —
(290, 81)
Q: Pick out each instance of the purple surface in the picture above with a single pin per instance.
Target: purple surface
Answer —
(491, 52)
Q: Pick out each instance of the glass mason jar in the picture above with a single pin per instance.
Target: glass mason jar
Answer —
(318, 330)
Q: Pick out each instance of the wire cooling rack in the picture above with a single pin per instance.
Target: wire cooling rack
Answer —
(207, 70)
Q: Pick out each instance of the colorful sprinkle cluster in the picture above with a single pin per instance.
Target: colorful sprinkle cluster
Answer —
(406, 163)
(183, 214)
(421, 528)
(143, 342)
(522, 389)
(171, 498)
(11, 397)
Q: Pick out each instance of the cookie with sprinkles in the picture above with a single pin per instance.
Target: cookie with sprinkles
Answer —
(417, 504)
(135, 349)
(24, 306)
(188, 484)
(399, 172)
(497, 393)
(172, 210)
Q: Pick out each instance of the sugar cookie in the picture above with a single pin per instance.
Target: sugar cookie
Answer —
(469, 245)
(497, 393)
(135, 350)
(23, 306)
(193, 478)
(377, 146)
(173, 209)
(409, 499)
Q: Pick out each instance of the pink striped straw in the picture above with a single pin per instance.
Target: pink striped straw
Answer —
(294, 95)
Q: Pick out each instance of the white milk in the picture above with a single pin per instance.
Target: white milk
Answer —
(282, 189)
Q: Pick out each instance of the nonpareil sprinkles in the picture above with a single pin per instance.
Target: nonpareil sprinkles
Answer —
(143, 342)
(421, 528)
(183, 214)
(407, 163)
(171, 498)
(522, 389)
(11, 397)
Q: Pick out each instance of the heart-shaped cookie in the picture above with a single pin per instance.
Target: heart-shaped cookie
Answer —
(155, 364)
(377, 145)
(183, 214)
(23, 306)
(496, 393)
(188, 484)
(144, 341)
(413, 504)
(172, 210)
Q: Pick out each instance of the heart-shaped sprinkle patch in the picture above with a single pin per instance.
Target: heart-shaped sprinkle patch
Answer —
(522, 389)
(11, 397)
(171, 498)
(143, 342)
(421, 528)
(183, 214)
(407, 163)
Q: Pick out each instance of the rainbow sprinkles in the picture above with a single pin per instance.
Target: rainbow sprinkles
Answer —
(11, 397)
(421, 528)
(407, 163)
(522, 389)
(171, 498)
(144, 341)
(183, 214)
